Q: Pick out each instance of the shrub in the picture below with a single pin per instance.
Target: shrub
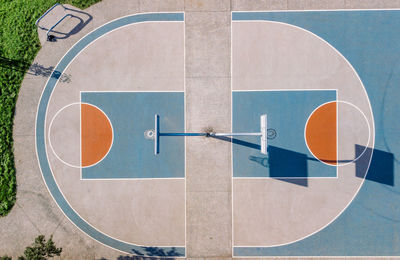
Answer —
(39, 250)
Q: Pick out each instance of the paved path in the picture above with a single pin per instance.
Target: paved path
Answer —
(208, 72)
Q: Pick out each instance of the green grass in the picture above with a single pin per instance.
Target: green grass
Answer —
(19, 45)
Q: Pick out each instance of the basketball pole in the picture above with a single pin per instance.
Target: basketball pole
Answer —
(157, 134)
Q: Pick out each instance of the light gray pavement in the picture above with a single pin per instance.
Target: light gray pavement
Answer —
(208, 164)
(208, 175)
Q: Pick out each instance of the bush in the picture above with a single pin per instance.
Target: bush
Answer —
(39, 250)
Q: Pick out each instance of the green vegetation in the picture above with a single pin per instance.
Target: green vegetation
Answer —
(39, 250)
(19, 45)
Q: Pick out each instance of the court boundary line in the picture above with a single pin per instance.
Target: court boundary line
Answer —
(316, 257)
(45, 131)
(286, 90)
(282, 178)
(231, 148)
(337, 131)
(184, 124)
(133, 91)
(315, 10)
(370, 110)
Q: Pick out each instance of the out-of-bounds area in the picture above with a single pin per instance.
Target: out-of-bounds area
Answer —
(141, 131)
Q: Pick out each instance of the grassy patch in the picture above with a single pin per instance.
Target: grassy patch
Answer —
(19, 45)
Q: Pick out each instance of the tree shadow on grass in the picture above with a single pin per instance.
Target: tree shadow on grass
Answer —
(17, 65)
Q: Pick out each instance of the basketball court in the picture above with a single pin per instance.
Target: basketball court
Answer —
(112, 144)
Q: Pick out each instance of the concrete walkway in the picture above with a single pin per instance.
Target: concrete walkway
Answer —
(208, 83)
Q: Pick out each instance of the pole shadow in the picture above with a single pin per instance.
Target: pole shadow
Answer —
(283, 164)
(290, 166)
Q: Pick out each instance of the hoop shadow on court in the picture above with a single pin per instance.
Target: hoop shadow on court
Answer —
(381, 167)
(285, 165)
(282, 164)
(290, 166)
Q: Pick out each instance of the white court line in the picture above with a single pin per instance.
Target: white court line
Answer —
(133, 91)
(45, 145)
(132, 179)
(77, 54)
(337, 133)
(136, 179)
(281, 178)
(184, 121)
(370, 110)
(80, 137)
(231, 150)
(100, 37)
(128, 179)
(51, 124)
(319, 257)
(310, 10)
(282, 89)
(337, 147)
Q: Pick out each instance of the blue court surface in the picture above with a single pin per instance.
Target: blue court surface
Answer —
(370, 41)
(288, 155)
(131, 155)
